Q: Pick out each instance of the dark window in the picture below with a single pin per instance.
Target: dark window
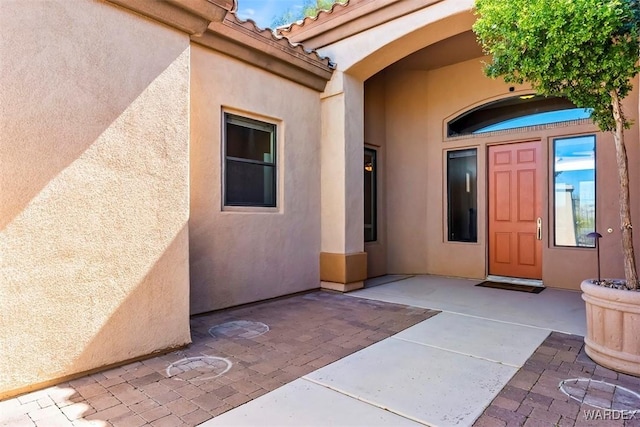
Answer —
(515, 112)
(370, 202)
(250, 162)
(574, 181)
(462, 199)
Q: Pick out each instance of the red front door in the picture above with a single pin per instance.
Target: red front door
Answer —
(515, 210)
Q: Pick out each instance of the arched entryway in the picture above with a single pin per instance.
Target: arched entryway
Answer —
(400, 82)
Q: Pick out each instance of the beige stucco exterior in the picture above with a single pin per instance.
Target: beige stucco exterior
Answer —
(416, 152)
(375, 131)
(113, 228)
(111, 142)
(245, 254)
(94, 201)
(407, 101)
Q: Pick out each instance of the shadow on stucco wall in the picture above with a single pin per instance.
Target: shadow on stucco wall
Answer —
(94, 198)
(68, 71)
(96, 336)
(155, 310)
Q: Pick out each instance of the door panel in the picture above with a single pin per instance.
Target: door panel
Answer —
(526, 195)
(515, 204)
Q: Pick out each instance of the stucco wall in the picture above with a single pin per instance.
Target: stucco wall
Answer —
(408, 208)
(417, 105)
(241, 255)
(375, 137)
(94, 202)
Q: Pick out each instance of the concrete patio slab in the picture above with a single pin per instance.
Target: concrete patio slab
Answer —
(487, 339)
(383, 280)
(237, 355)
(552, 309)
(304, 403)
(429, 385)
(438, 377)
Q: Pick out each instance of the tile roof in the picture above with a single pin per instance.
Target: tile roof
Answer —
(322, 13)
(282, 40)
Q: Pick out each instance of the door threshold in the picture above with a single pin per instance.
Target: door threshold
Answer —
(515, 280)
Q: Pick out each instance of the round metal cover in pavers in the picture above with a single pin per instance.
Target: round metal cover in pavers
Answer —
(601, 395)
(239, 329)
(199, 368)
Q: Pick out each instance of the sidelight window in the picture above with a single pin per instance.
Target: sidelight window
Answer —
(370, 192)
(462, 195)
(574, 179)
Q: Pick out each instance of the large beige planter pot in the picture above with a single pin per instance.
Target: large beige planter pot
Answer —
(613, 327)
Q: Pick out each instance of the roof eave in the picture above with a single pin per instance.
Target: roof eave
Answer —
(191, 16)
(354, 17)
(242, 40)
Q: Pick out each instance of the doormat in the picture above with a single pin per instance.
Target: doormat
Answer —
(511, 287)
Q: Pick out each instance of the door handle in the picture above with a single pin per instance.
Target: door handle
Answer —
(539, 228)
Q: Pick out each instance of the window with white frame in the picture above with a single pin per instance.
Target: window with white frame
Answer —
(250, 162)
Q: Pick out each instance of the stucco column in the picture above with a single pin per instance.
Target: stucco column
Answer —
(343, 262)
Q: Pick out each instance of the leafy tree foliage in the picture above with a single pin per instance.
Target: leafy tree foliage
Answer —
(310, 8)
(584, 50)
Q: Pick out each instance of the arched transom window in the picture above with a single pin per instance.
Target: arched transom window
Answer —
(515, 112)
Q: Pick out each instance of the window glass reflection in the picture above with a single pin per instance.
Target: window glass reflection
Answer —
(575, 190)
(462, 196)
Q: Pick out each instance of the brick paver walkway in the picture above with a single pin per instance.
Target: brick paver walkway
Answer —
(225, 370)
(533, 398)
(242, 353)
